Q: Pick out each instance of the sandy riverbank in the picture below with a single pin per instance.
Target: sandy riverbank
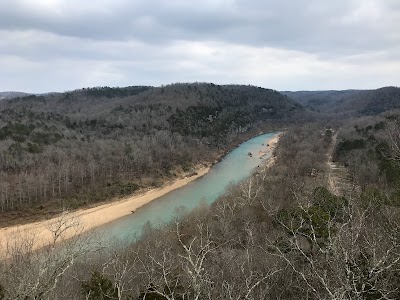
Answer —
(270, 145)
(87, 219)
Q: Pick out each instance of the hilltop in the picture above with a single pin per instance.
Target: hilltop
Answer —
(10, 95)
(359, 102)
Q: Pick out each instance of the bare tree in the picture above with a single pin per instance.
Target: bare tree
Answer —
(355, 258)
(393, 134)
(34, 274)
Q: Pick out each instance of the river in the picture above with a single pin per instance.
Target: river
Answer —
(234, 167)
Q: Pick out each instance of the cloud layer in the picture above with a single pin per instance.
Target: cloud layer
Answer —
(57, 45)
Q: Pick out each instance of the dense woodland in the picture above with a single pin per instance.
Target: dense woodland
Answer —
(349, 102)
(323, 222)
(62, 151)
(10, 95)
(367, 147)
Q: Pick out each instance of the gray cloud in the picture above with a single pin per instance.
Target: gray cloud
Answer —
(118, 42)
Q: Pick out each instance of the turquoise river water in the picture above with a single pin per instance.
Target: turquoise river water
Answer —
(235, 166)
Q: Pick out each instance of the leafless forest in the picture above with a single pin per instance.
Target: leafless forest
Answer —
(64, 151)
(323, 222)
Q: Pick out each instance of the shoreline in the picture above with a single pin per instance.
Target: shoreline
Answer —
(90, 218)
(270, 148)
(54, 212)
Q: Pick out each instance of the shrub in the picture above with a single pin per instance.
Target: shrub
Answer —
(33, 148)
(309, 221)
(329, 202)
(99, 287)
(2, 293)
(348, 145)
(373, 197)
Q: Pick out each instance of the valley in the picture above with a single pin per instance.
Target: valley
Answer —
(123, 179)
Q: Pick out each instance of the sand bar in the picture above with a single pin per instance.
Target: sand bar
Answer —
(270, 145)
(91, 217)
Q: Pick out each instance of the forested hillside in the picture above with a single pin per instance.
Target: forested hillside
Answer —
(281, 234)
(10, 95)
(66, 150)
(355, 102)
(320, 100)
(372, 102)
(366, 146)
(286, 232)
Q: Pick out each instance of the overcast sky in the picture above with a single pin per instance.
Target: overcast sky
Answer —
(58, 45)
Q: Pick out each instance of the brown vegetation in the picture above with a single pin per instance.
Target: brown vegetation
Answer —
(65, 151)
(280, 234)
